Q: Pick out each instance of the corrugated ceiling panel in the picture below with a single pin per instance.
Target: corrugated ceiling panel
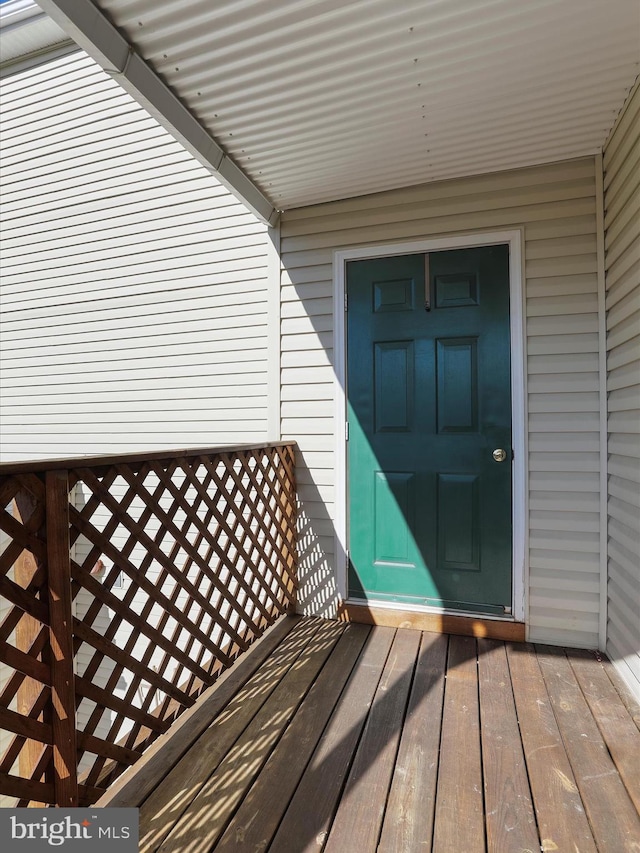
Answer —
(325, 100)
(25, 31)
(40, 34)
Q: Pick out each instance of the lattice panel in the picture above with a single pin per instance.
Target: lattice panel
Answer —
(175, 566)
(25, 695)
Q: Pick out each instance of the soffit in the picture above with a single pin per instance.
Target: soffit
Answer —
(317, 100)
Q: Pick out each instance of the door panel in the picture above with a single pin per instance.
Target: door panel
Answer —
(457, 389)
(394, 386)
(459, 522)
(393, 491)
(429, 400)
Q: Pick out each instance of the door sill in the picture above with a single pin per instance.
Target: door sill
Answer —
(431, 619)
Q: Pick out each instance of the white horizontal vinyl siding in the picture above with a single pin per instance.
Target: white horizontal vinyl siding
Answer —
(556, 207)
(622, 251)
(134, 292)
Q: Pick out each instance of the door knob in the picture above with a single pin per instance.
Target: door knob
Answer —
(499, 454)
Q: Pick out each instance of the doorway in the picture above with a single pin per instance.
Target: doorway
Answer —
(430, 510)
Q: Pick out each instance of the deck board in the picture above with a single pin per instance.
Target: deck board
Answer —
(306, 829)
(562, 821)
(510, 821)
(614, 820)
(207, 816)
(363, 804)
(257, 819)
(408, 822)
(616, 726)
(135, 785)
(460, 771)
(351, 737)
(165, 806)
(628, 700)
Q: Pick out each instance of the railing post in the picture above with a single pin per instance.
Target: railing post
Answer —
(61, 639)
(27, 629)
(288, 523)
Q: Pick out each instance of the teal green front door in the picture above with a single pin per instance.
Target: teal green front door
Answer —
(429, 396)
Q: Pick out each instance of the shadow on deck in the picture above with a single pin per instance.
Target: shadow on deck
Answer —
(336, 737)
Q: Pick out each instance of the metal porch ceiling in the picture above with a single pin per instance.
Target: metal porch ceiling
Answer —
(317, 100)
(26, 33)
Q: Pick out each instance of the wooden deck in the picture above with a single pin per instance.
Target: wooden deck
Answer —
(342, 738)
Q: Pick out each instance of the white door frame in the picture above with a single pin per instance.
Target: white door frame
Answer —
(514, 239)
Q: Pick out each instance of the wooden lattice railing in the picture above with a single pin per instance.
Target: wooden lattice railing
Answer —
(127, 586)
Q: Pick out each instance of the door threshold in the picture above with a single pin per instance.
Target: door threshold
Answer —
(433, 620)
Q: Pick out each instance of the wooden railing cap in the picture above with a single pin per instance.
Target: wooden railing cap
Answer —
(39, 465)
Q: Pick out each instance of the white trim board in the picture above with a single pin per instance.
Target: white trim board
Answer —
(274, 349)
(514, 239)
(604, 414)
